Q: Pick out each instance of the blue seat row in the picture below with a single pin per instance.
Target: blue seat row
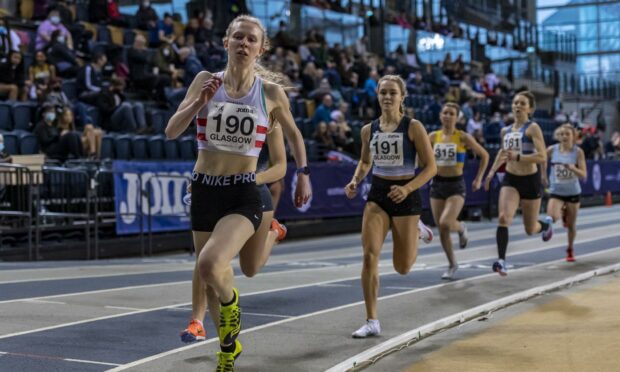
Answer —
(19, 142)
(141, 147)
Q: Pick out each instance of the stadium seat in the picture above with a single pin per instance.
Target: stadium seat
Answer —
(107, 146)
(122, 147)
(28, 144)
(171, 149)
(187, 147)
(69, 87)
(157, 119)
(139, 147)
(156, 147)
(22, 115)
(11, 143)
(103, 34)
(308, 128)
(6, 117)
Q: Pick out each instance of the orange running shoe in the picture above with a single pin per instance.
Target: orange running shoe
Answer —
(194, 332)
(278, 228)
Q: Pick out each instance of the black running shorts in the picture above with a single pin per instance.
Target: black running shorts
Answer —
(529, 187)
(380, 187)
(214, 197)
(445, 187)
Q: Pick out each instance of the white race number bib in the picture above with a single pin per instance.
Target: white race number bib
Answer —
(445, 154)
(563, 174)
(387, 149)
(513, 141)
(231, 127)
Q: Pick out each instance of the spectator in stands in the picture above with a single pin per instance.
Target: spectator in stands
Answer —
(325, 88)
(370, 86)
(9, 40)
(114, 16)
(283, 38)
(198, 31)
(47, 27)
(141, 70)
(56, 143)
(458, 67)
(332, 75)
(612, 148)
(162, 33)
(474, 127)
(416, 85)
(323, 136)
(5, 157)
(191, 65)
(467, 90)
(12, 83)
(90, 79)
(61, 56)
(57, 98)
(323, 112)
(146, 16)
(591, 144)
(40, 75)
(164, 62)
(468, 108)
(65, 12)
(118, 114)
(310, 78)
(91, 136)
(98, 11)
(342, 133)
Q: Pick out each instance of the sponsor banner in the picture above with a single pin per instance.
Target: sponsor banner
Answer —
(603, 176)
(164, 184)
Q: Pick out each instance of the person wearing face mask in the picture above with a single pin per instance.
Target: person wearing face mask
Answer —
(47, 27)
(164, 62)
(162, 33)
(57, 143)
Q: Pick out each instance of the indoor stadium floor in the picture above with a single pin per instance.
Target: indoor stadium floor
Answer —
(298, 314)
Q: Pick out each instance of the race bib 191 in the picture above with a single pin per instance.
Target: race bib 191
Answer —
(563, 174)
(513, 141)
(445, 154)
(231, 127)
(387, 149)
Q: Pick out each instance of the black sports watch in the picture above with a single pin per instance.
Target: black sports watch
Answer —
(304, 170)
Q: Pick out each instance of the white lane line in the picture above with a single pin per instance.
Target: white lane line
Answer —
(335, 285)
(123, 308)
(91, 362)
(371, 355)
(50, 357)
(325, 311)
(94, 276)
(175, 307)
(268, 315)
(45, 302)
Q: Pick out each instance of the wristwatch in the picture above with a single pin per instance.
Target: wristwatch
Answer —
(303, 170)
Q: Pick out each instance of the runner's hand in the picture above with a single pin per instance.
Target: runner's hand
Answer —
(350, 190)
(398, 193)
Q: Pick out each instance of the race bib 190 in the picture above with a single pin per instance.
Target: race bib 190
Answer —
(231, 127)
(445, 154)
(513, 141)
(387, 149)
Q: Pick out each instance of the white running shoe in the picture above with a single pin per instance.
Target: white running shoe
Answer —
(371, 328)
(426, 234)
(449, 274)
(463, 238)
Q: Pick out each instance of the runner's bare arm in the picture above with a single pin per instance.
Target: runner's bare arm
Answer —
(190, 106)
(277, 157)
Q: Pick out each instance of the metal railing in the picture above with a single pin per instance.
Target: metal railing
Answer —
(16, 198)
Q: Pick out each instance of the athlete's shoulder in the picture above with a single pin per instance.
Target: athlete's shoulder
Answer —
(203, 76)
(273, 90)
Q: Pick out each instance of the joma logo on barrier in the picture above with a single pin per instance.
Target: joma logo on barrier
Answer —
(166, 191)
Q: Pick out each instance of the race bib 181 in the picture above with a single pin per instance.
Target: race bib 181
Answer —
(513, 141)
(231, 127)
(387, 149)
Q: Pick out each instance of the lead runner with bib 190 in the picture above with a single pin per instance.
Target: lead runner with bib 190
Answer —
(390, 145)
(232, 110)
